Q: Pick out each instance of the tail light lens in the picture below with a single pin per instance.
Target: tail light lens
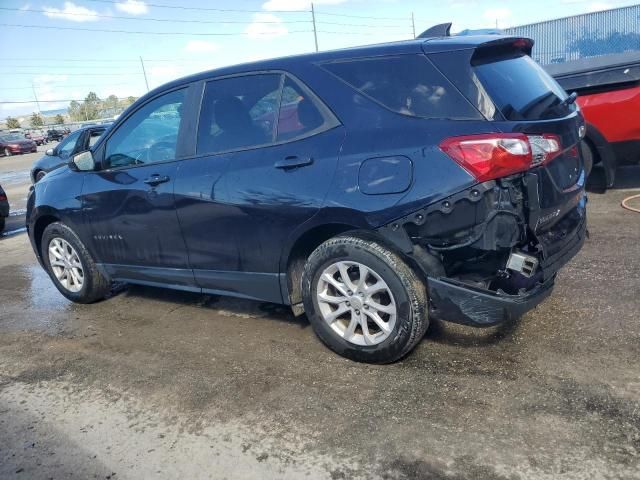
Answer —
(544, 148)
(3, 197)
(495, 155)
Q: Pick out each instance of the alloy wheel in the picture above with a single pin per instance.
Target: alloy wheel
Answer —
(65, 264)
(356, 302)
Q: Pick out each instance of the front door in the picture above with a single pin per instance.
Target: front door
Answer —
(129, 201)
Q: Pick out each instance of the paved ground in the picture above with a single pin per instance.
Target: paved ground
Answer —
(161, 384)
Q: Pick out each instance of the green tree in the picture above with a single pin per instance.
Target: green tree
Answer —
(90, 108)
(58, 119)
(36, 120)
(74, 111)
(12, 122)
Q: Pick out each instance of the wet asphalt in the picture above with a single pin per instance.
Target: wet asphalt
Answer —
(160, 384)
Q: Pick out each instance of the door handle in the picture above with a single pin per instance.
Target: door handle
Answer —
(155, 180)
(293, 161)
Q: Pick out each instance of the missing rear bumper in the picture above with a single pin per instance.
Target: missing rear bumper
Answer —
(460, 303)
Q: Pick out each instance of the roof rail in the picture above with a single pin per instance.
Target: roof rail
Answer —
(440, 30)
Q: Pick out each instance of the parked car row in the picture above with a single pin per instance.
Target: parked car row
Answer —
(16, 143)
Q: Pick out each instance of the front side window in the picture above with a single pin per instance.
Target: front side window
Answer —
(68, 144)
(406, 84)
(239, 113)
(150, 135)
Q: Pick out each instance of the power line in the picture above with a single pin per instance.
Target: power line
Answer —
(72, 85)
(205, 9)
(359, 16)
(199, 34)
(147, 19)
(22, 102)
(81, 74)
(322, 22)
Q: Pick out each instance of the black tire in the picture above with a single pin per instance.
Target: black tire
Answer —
(95, 286)
(2, 224)
(406, 286)
(587, 158)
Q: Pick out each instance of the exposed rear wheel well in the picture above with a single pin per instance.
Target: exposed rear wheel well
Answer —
(301, 250)
(38, 229)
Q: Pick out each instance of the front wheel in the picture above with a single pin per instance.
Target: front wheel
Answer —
(363, 301)
(70, 266)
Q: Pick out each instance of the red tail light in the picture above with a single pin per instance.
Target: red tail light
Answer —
(3, 197)
(495, 155)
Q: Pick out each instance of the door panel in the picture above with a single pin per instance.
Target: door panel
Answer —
(130, 203)
(271, 150)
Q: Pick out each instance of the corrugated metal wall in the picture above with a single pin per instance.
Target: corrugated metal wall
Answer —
(588, 35)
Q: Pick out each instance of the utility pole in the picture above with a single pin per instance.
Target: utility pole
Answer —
(413, 24)
(144, 73)
(315, 31)
(33, 87)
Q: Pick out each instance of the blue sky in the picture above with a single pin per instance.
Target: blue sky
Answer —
(44, 50)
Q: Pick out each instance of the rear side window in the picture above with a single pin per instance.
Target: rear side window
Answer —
(299, 113)
(522, 90)
(406, 84)
(238, 113)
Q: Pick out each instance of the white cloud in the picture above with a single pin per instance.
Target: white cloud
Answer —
(201, 46)
(133, 7)
(273, 28)
(499, 13)
(598, 6)
(72, 12)
(297, 4)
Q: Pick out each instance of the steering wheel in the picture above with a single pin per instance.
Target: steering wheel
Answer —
(157, 152)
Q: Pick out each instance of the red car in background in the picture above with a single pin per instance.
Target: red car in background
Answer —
(608, 90)
(14, 143)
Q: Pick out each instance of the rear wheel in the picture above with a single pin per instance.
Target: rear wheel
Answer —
(363, 301)
(70, 265)
(2, 224)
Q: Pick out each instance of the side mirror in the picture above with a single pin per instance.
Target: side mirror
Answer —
(49, 152)
(83, 162)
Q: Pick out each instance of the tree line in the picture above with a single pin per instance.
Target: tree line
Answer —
(93, 107)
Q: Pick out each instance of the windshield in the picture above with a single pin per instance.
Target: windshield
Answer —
(522, 90)
(12, 137)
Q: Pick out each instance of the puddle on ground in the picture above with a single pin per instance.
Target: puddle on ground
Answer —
(30, 301)
(14, 178)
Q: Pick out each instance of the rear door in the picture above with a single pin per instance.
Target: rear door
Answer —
(266, 152)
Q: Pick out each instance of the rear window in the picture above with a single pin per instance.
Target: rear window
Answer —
(522, 90)
(406, 84)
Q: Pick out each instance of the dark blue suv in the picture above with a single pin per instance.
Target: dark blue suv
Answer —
(371, 188)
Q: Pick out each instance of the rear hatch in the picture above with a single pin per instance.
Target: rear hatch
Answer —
(517, 96)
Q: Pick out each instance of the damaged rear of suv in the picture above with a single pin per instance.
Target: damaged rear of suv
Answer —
(372, 188)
